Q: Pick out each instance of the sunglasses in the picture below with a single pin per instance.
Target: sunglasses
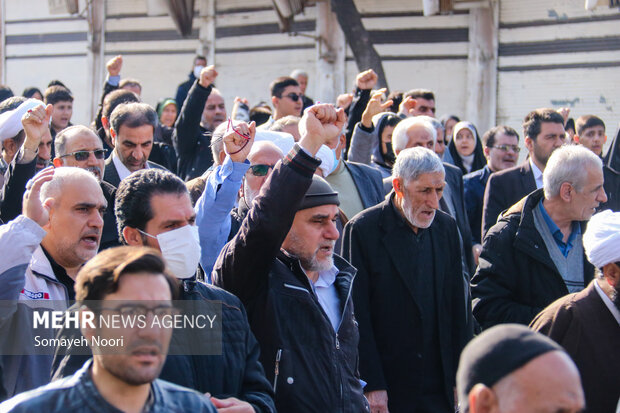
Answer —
(83, 155)
(293, 96)
(260, 170)
(506, 148)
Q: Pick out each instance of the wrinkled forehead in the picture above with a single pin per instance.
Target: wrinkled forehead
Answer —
(83, 141)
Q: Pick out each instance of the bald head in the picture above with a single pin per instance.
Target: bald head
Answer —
(547, 384)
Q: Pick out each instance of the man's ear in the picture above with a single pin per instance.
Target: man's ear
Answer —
(482, 399)
(576, 138)
(274, 101)
(57, 162)
(132, 237)
(566, 191)
(87, 323)
(105, 122)
(611, 272)
(487, 152)
(222, 157)
(397, 184)
(113, 136)
(529, 143)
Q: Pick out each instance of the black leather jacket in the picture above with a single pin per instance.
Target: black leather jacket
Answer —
(313, 367)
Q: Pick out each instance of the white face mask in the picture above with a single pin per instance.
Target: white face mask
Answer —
(197, 70)
(181, 250)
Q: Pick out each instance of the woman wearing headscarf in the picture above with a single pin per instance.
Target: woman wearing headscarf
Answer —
(167, 112)
(466, 148)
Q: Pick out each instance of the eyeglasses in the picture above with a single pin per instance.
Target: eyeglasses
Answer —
(232, 126)
(293, 96)
(260, 170)
(136, 310)
(506, 148)
(84, 155)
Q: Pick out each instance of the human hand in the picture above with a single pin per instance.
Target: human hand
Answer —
(238, 140)
(207, 76)
(115, 65)
(36, 123)
(231, 405)
(378, 400)
(375, 106)
(565, 112)
(476, 250)
(320, 125)
(366, 79)
(407, 105)
(32, 207)
(344, 100)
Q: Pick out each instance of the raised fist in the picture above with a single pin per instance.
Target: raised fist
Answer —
(207, 76)
(366, 79)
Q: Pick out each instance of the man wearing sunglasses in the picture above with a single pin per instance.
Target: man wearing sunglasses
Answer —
(79, 146)
(286, 98)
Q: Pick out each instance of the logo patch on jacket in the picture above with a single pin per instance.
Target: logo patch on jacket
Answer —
(36, 295)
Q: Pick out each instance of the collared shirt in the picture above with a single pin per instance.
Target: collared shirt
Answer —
(61, 275)
(608, 303)
(558, 237)
(122, 170)
(538, 175)
(327, 295)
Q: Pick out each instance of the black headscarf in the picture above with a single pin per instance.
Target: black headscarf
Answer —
(479, 160)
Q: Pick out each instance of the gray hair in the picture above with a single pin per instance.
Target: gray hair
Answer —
(568, 164)
(413, 162)
(435, 122)
(299, 72)
(60, 142)
(279, 124)
(217, 140)
(63, 176)
(400, 139)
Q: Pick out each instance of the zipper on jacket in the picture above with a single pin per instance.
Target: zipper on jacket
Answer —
(337, 342)
(277, 369)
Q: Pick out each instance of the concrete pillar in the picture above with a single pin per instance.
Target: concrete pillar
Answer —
(331, 49)
(206, 30)
(95, 55)
(2, 43)
(482, 65)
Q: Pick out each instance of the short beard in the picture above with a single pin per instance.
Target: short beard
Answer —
(615, 296)
(309, 262)
(409, 213)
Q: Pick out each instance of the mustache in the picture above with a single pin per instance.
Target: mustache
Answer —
(93, 169)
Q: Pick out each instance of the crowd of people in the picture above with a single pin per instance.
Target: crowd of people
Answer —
(367, 256)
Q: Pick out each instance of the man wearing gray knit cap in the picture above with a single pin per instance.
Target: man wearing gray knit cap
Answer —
(510, 368)
(297, 292)
(587, 324)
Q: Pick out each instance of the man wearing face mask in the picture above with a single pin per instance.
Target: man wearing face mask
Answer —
(153, 209)
(200, 62)
(358, 185)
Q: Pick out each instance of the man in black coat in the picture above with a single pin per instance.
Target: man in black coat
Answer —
(296, 291)
(131, 129)
(543, 131)
(152, 204)
(409, 294)
(201, 113)
(79, 146)
(534, 254)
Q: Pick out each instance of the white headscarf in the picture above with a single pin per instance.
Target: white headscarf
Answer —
(602, 238)
(11, 120)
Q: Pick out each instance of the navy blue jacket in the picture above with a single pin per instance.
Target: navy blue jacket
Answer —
(78, 394)
(473, 191)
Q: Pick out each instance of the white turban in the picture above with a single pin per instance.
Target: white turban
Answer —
(282, 140)
(11, 120)
(328, 162)
(602, 238)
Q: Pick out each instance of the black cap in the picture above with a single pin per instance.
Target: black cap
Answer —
(496, 353)
(319, 193)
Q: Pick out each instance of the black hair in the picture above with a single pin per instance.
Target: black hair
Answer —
(30, 91)
(133, 115)
(133, 197)
(534, 119)
(57, 93)
(281, 83)
(488, 139)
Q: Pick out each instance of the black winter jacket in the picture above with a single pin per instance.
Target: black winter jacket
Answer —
(192, 141)
(236, 373)
(313, 368)
(516, 278)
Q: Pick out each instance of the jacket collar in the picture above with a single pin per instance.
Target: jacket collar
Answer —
(40, 265)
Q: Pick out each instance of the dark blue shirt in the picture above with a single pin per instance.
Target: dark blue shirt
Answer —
(558, 237)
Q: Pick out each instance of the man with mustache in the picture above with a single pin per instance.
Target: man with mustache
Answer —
(42, 251)
(501, 148)
(534, 255)
(409, 293)
(297, 292)
(79, 146)
(131, 130)
(124, 281)
(587, 324)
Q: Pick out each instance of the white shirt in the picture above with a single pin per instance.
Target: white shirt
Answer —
(538, 175)
(327, 295)
(614, 310)
(121, 169)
